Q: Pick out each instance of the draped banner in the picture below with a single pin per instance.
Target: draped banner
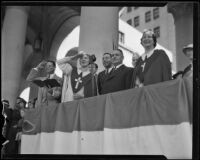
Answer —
(156, 119)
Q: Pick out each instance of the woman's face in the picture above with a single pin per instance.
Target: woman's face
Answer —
(84, 61)
(147, 39)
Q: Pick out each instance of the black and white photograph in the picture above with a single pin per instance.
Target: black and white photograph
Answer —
(100, 79)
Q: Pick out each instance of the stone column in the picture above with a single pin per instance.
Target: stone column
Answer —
(13, 38)
(183, 19)
(98, 31)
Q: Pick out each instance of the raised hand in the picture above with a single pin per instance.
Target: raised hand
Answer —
(79, 55)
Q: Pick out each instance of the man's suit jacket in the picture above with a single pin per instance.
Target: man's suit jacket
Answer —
(100, 80)
(117, 80)
(43, 97)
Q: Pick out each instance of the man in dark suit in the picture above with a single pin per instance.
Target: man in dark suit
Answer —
(12, 116)
(46, 95)
(120, 76)
(107, 63)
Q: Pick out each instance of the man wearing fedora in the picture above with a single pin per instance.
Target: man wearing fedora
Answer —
(188, 52)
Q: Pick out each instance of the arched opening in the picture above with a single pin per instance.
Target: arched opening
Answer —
(68, 43)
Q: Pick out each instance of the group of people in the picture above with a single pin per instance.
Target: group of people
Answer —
(80, 78)
(12, 127)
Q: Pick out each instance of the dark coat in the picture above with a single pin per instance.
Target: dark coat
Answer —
(117, 80)
(100, 80)
(157, 68)
(88, 82)
(13, 117)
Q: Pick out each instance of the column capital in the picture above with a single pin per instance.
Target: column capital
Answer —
(179, 9)
(25, 9)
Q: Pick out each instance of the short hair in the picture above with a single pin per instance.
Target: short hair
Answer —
(153, 36)
(119, 51)
(53, 62)
(108, 54)
(22, 100)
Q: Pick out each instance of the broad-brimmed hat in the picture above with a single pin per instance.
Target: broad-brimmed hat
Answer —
(189, 46)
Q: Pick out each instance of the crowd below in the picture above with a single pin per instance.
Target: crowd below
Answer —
(80, 80)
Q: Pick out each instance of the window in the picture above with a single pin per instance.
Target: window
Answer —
(157, 31)
(136, 21)
(129, 22)
(155, 13)
(121, 37)
(129, 9)
(148, 16)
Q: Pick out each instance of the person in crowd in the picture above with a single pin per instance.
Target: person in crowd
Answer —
(13, 117)
(135, 58)
(77, 79)
(188, 52)
(107, 63)
(31, 103)
(120, 77)
(135, 79)
(93, 67)
(154, 65)
(46, 95)
(19, 128)
(5, 127)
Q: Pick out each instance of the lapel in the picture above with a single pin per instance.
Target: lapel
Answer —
(114, 73)
(150, 60)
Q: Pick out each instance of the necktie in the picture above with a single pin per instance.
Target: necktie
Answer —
(145, 58)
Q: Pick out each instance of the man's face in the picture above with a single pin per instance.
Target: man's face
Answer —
(107, 60)
(189, 53)
(49, 68)
(84, 61)
(31, 104)
(117, 57)
(134, 59)
(19, 104)
(92, 68)
(147, 39)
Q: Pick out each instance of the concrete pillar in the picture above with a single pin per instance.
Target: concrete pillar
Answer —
(13, 38)
(183, 19)
(98, 31)
(33, 91)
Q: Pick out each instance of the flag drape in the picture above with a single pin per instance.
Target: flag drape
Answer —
(155, 119)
